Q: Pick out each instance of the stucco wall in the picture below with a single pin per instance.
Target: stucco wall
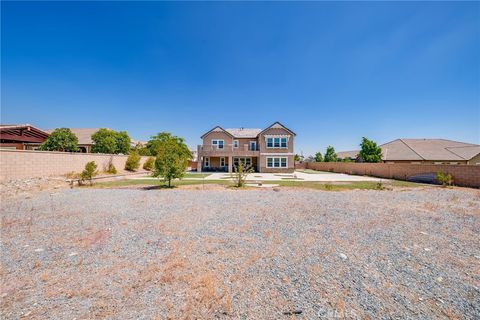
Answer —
(20, 164)
(463, 175)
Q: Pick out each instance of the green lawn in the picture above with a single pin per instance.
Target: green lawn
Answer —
(334, 186)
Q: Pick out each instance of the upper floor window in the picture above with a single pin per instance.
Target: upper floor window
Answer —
(235, 143)
(269, 142)
(277, 143)
(218, 143)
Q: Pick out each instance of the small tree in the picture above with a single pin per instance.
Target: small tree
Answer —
(172, 157)
(149, 163)
(89, 172)
(318, 157)
(110, 168)
(330, 155)
(61, 139)
(133, 161)
(444, 179)
(370, 152)
(240, 174)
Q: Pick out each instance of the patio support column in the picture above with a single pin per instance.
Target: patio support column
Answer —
(199, 164)
(230, 163)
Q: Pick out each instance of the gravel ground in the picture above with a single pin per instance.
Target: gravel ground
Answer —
(264, 254)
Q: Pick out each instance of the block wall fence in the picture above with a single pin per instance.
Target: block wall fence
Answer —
(463, 175)
(21, 164)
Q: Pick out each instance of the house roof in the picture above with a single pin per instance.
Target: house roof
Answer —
(348, 154)
(244, 132)
(84, 135)
(277, 124)
(12, 130)
(467, 152)
(423, 150)
(247, 132)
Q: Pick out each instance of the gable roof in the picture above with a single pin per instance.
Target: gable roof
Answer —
(84, 135)
(217, 129)
(277, 124)
(348, 154)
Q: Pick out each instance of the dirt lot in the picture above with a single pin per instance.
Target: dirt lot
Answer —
(265, 254)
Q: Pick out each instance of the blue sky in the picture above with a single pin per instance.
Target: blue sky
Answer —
(331, 71)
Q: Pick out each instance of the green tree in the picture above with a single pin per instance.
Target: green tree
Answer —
(370, 152)
(110, 141)
(123, 142)
(318, 157)
(133, 161)
(156, 141)
(172, 157)
(330, 155)
(296, 158)
(61, 139)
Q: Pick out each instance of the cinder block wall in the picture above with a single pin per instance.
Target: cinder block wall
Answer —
(463, 175)
(21, 164)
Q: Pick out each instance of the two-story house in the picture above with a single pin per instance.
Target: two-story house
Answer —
(267, 150)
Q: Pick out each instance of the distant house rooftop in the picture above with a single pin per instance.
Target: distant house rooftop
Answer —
(423, 150)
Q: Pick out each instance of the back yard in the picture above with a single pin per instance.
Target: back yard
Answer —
(215, 252)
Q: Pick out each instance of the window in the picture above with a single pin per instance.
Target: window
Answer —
(235, 143)
(246, 161)
(206, 162)
(218, 144)
(222, 162)
(276, 142)
(277, 162)
(253, 145)
(269, 142)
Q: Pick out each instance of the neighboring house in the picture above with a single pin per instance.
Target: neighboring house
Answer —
(21, 137)
(266, 150)
(426, 151)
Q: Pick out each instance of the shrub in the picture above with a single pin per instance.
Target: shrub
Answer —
(149, 163)
(89, 172)
(444, 179)
(240, 174)
(133, 161)
(110, 168)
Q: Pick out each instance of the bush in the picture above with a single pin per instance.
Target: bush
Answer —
(149, 163)
(110, 168)
(89, 172)
(240, 174)
(133, 161)
(444, 179)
